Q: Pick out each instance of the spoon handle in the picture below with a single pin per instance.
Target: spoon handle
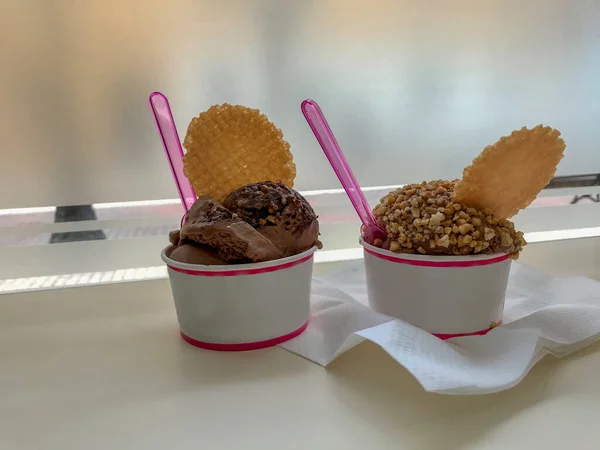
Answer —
(319, 126)
(172, 145)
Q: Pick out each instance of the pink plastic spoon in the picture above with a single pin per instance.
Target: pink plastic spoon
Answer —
(170, 139)
(319, 126)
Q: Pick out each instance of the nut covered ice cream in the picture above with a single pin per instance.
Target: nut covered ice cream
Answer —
(470, 216)
(424, 219)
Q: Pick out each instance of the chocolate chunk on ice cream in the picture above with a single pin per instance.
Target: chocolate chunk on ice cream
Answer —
(277, 212)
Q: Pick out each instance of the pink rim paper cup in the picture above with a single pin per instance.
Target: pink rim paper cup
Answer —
(448, 296)
(243, 306)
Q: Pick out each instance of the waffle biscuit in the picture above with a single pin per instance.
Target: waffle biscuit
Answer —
(229, 146)
(508, 175)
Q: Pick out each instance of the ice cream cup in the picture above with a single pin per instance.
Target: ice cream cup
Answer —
(243, 306)
(448, 296)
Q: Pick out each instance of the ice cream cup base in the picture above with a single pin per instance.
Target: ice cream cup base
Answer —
(444, 295)
(242, 306)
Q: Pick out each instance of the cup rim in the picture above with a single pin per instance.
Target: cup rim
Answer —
(236, 267)
(433, 258)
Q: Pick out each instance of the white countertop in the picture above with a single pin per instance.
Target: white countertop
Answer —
(103, 368)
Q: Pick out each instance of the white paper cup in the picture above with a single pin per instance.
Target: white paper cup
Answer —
(444, 295)
(243, 306)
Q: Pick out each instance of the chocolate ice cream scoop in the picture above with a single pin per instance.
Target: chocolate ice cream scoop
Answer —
(196, 254)
(277, 212)
(209, 223)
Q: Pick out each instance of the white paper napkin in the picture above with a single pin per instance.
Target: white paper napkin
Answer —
(543, 314)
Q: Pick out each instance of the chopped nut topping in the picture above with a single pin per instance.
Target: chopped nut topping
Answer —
(423, 218)
(436, 220)
(443, 241)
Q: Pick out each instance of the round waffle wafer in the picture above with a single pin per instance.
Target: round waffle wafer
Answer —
(229, 146)
(508, 175)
